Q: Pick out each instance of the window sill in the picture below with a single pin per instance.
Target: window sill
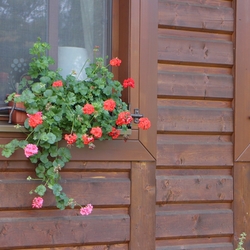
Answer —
(6, 127)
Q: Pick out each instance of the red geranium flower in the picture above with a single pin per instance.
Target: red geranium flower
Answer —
(70, 138)
(114, 133)
(124, 118)
(35, 119)
(87, 139)
(115, 62)
(144, 123)
(128, 83)
(96, 132)
(57, 84)
(88, 109)
(109, 105)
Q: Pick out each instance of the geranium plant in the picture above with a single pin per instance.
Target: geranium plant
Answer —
(77, 111)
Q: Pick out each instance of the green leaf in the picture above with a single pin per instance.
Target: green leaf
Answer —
(62, 201)
(59, 162)
(51, 138)
(53, 151)
(107, 90)
(45, 79)
(48, 93)
(40, 190)
(64, 153)
(44, 158)
(40, 171)
(57, 188)
(38, 87)
(10, 148)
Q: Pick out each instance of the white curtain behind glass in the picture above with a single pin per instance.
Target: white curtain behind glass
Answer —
(87, 11)
(83, 27)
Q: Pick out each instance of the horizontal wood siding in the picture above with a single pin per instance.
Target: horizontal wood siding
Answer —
(194, 179)
(104, 184)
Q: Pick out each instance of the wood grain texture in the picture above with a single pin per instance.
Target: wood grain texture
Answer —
(93, 247)
(195, 51)
(79, 166)
(201, 243)
(194, 188)
(104, 151)
(194, 223)
(242, 79)
(142, 209)
(52, 231)
(196, 15)
(191, 119)
(215, 246)
(194, 150)
(241, 202)
(97, 189)
(195, 85)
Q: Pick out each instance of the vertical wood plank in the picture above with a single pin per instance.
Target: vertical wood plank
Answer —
(142, 210)
(241, 202)
(242, 80)
(134, 52)
(148, 71)
(241, 171)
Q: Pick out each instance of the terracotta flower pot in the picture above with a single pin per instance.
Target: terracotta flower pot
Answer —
(18, 117)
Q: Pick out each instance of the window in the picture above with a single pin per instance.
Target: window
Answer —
(72, 27)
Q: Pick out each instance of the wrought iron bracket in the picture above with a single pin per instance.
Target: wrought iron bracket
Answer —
(136, 116)
(11, 108)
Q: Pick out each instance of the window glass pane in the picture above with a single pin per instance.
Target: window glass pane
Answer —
(83, 26)
(21, 22)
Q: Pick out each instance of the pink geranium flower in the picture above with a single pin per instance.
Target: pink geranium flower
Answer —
(37, 202)
(30, 149)
(86, 210)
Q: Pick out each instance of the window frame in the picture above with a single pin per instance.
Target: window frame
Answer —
(140, 63)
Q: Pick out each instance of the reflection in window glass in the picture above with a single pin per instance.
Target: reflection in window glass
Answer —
(21, 22)
(82, 25)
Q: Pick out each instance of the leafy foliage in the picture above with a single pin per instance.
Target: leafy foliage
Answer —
(79, 111)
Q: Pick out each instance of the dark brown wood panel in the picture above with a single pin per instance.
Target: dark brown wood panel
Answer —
(215, 246)
(51, 230)
(194, 150)
(192, 188)
(190, 119)
(105, 189)
(242, 79)
(142, 209)
(148, 71)
(195, 125)
(241, 202)
(196, 15)
(195, 51)
(195, 85)
(111, 150)
(190, 223)
(95, 247)
(211, 243)
(79, 166)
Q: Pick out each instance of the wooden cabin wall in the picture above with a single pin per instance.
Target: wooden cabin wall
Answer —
(194, 181)
(106, 185)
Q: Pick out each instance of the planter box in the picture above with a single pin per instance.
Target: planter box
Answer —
(18, 117)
